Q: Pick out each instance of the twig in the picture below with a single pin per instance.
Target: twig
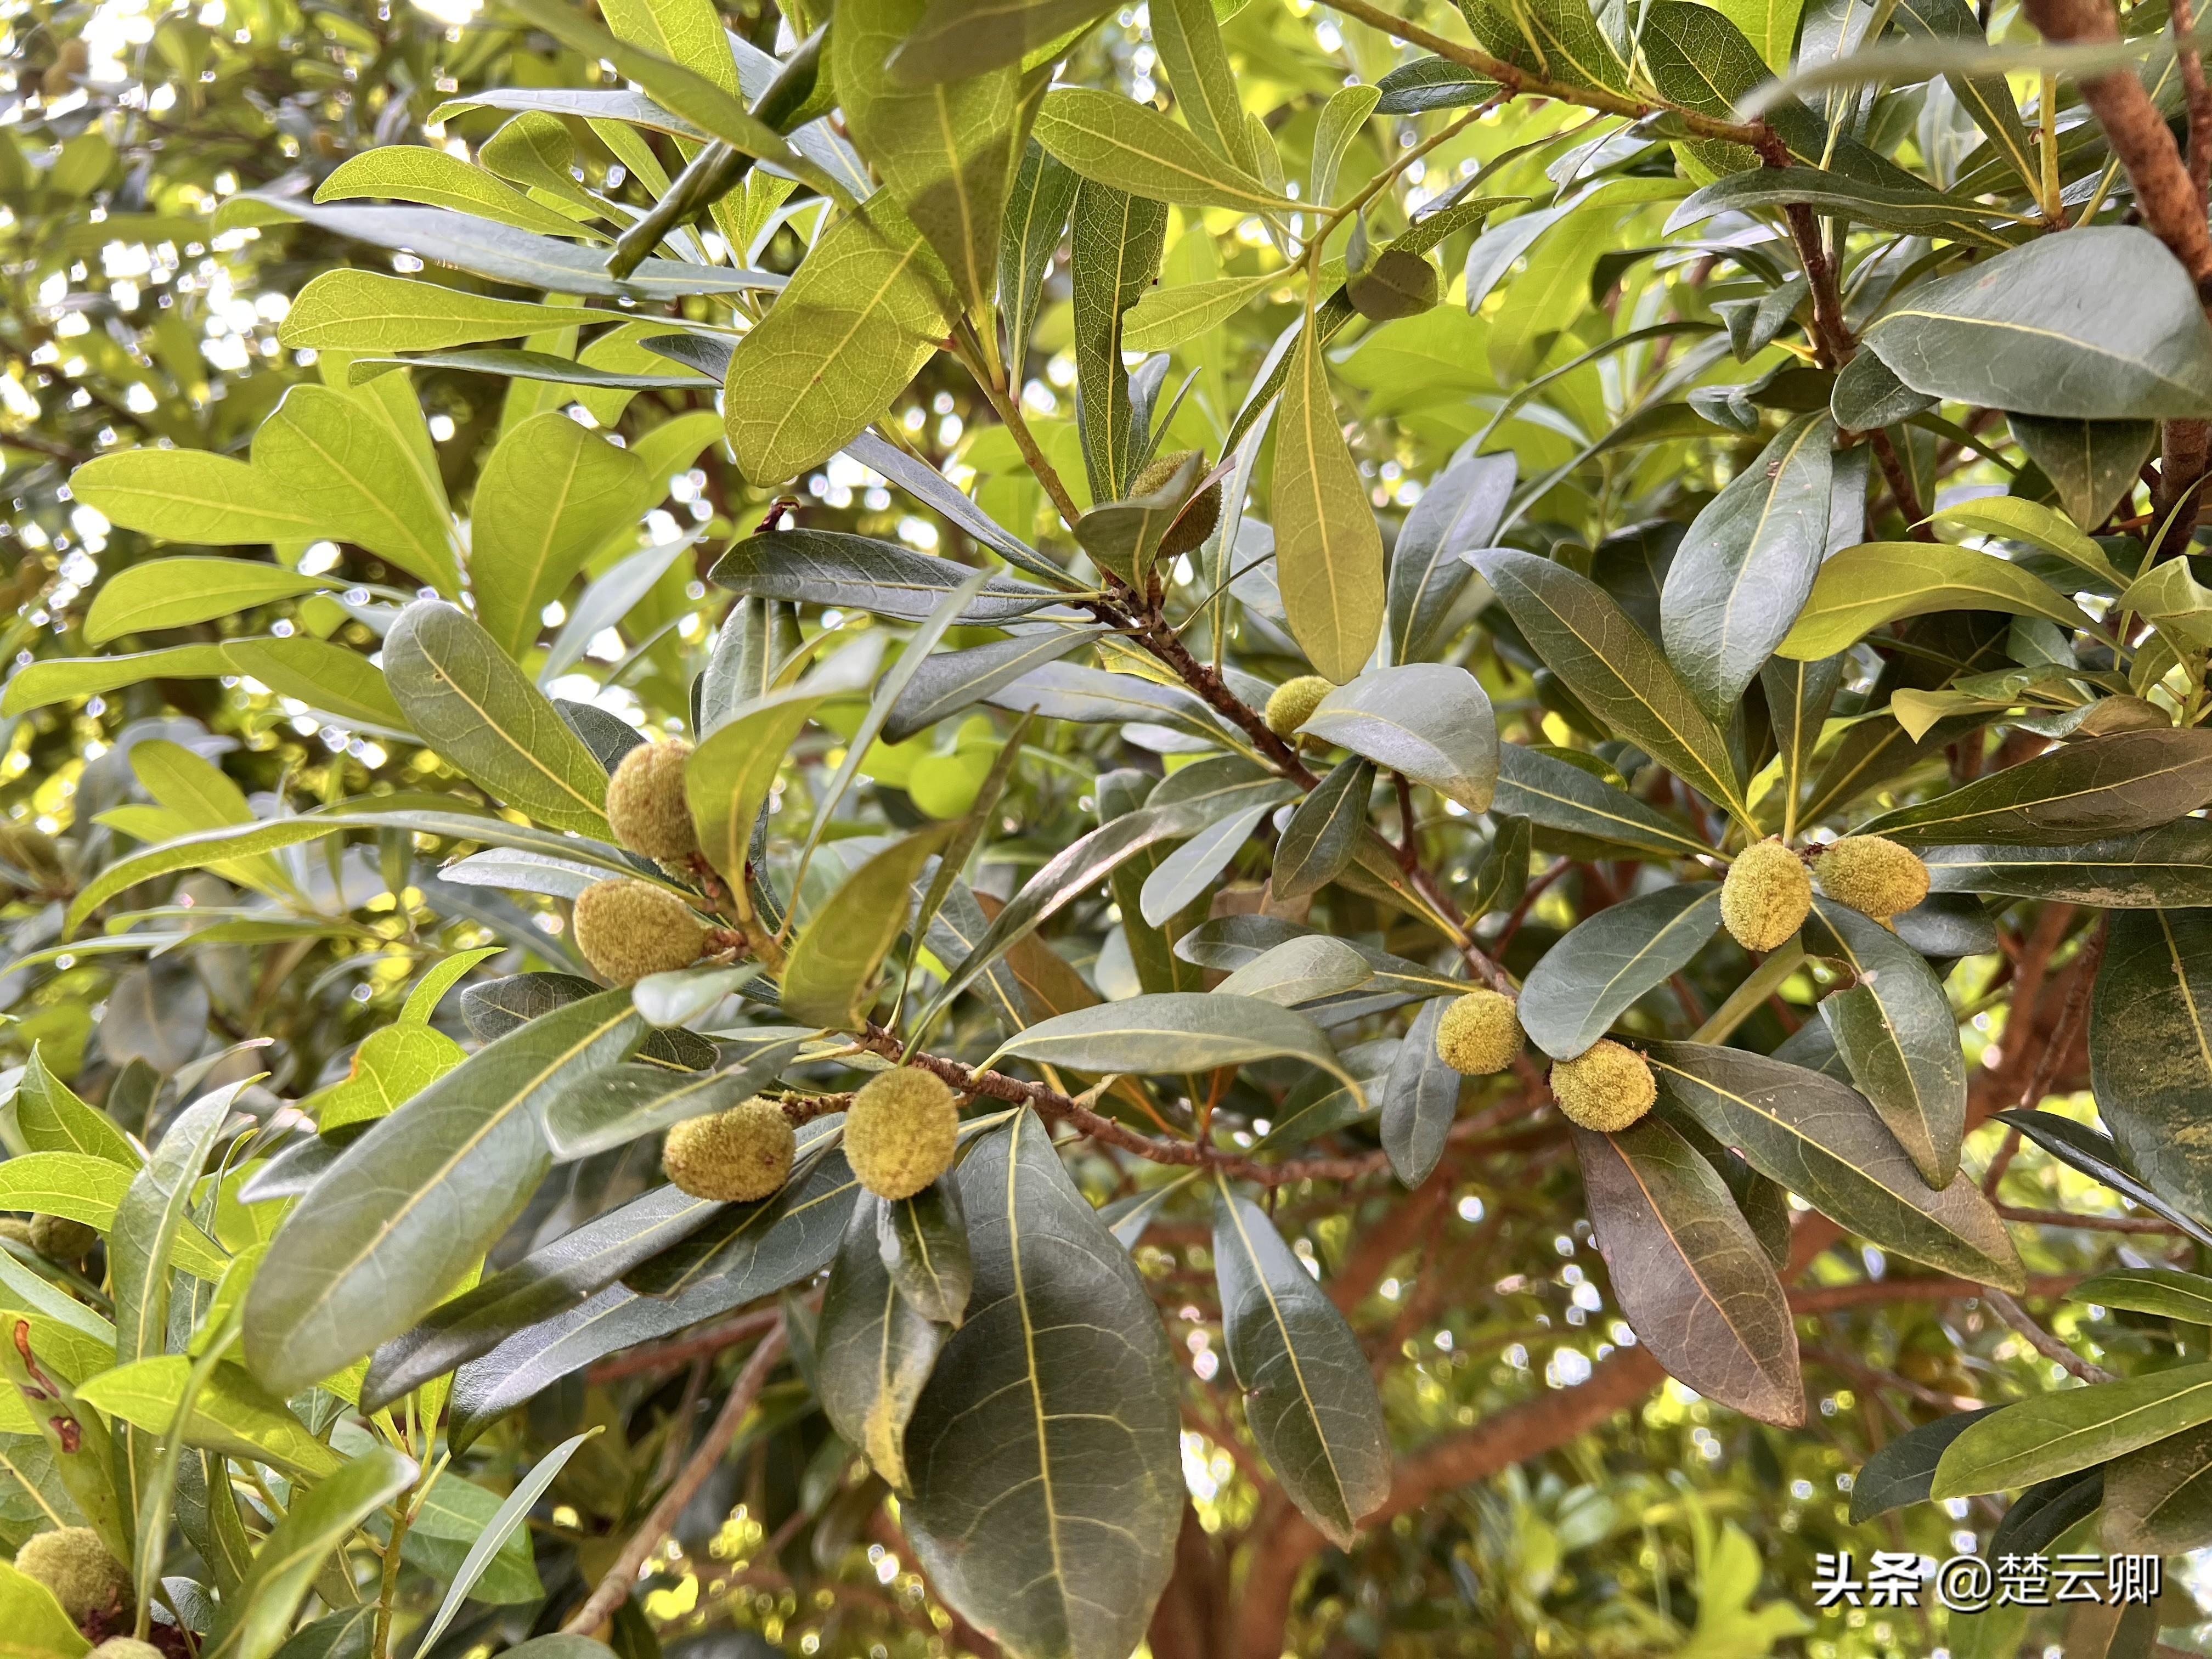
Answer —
(615, 1587)
(2042, 1340)
(2100, 1224)
(666, 1355)
(2190, 61)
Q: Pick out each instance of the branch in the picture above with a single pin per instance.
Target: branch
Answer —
(2191, 60)
(2042, 1340)
(666, 1355)
(615, 1587)
(1519, 83)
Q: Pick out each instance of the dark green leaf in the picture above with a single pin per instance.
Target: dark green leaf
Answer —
(830, 978)
(923, 1240)
(876, 1348)
(2053, 1434)
(1308, 1395)
(2101, 786)
(1430, 722)
(318, 1521)
(1116, 256)
(1819, 1139)
(1459, 512)
(1897, 1035)
(1045, 1452)
(2149, 1062)
(1694, 1283)
(2096, 1157)
(831, 567)
(1556, 794)
(1902, 1471)
(1419, 1100)
(1316, 845)
(2158, 1500)
(2093, 464)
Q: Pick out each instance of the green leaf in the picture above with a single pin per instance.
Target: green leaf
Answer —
(326, 677)
(2150, 1059)
(2054, 1434)
(1115, 256)
(1342, 117)
(2157, 1500)
(1233, 812)
(550, 495)
(1747, 566)
(2034, 330)
(958, 38)
(1819, 1139)
(2169, 867)
(1459, 512)
(1317, 846)
(34, 1625)
(1309, 1399)
(318, 1521)
(2093, 464)
(616, 1107)
(1559, 795)
(946, 150)
(1152, 943)
(1910, 210)
(1124, 536)
(414, 1203)
(1986, 98)
(416, 173)
(1124, 145)
(1862, 587)
(1420, 1098)
(348, 310)
(728, 777)
(190, 496)
(866, 309)
(2166, 1291)
(1328, 549)
(1177, 1032)
(1771, 25)
(88, 1188)
(52, 1119)
(876, 1348)
(176, 593)
(1694, 1283)
(1896, 1034)
(923, 1243)
(504, 1523)
(390, 1067)
(478, 710)
(233, 1414)
(2101, 786)
(1613, 667)
(1598, 971)
(355, 483)
(950, 681)
(833, 567)
(1427, 83)
(548, 1282)
(2097, 1156)
(1301, 969)
(1045, 1452)
(830, 978)
(1188, 39)
(1904, 1469)
(1030, 229)
(1558, 38)
(1430, 721)
(750, 1250)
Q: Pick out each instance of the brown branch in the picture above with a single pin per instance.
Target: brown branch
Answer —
(1877, 1292)
(2098, 1223)
(2190, 59)
(614, 1588)
(1900, 487)
(2043, 1341)
(1519, 83)
(666, 1356)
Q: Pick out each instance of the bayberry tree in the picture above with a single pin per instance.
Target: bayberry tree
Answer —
(995, 828)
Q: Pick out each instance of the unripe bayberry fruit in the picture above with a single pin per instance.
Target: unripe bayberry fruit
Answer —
(77, 1567)
(16, 1230)
(1479, 1034)
(1767, 894)
(1874, 875)
(733, 1156)
(59, 1239)
(1293, 701)
(1605, 1089)
(1199, 516)
(125, 1647)
(628, 929)
(901, 1131)
(646, 804)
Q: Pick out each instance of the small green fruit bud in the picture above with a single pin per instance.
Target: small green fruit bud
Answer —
(646, 804)
(77, 1567)
(1605, 1089)
(628, 929)
(59, 1239)
(1479, 1034)
(1766, 896)
(734, 1157)
(1874, 875)
(1293, 703)
(901, 1131)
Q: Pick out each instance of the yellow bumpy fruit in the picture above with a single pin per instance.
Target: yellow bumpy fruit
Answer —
(1605, 1089)
(628, 929)
(1199, 514)
(1292, 704)
(1766, 896)
(733, 1156)
(77, 1567)
(125, 1647)
(646, 804)
(1479, 1034)
(1874, 875)
(901, 1131)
